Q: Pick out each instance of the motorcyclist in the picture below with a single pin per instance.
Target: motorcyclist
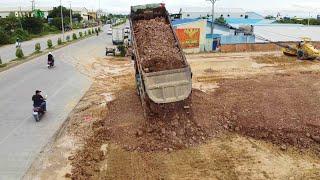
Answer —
(39, 101)
(18, 43)
(50, 59)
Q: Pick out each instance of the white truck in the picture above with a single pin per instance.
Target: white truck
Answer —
(117, 36)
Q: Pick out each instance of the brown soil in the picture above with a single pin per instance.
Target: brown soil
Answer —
(281, 108)
(157, 47)
(190, 140)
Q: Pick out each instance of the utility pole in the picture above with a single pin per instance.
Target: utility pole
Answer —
(213, 2)
(33, 5)
(62, 26)
(309, 19)
(70, 16)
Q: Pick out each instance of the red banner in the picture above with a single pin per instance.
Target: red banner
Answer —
(189, 37)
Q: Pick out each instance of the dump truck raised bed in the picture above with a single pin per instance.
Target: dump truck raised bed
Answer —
(162, 73)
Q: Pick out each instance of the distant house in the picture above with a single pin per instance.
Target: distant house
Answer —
(200, 12)
(27, 11)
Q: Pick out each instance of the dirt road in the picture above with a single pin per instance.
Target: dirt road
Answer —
(251, 116)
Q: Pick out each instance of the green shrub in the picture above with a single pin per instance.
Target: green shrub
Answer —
(22, 34)
(0, 60)
(85, 33)
(122, 50)
(59, 41)
(74, 36)
(5, 38)
(68, 38)
(80, 34)
(37, 47)
(89, 31)
(19, 53)
(99, 29)
(49, 43)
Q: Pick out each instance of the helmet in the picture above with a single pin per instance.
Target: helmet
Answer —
(50, 53)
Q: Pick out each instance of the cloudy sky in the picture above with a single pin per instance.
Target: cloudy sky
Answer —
(262, 6)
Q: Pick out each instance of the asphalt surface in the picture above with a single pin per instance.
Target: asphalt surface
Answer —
(8, 52)
(21, 138)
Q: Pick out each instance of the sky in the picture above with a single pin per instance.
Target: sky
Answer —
(262, 6)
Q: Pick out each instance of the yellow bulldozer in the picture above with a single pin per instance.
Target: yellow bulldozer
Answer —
(304, 50)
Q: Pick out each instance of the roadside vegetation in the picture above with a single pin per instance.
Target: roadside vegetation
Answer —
(287, 20)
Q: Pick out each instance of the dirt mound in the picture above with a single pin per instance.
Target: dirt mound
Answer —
(157, 47)
(179, 127)
(282, 108)
(174, 129)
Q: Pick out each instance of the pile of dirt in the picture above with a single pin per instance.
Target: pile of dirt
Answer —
(283, 108)
(178, 127)
(157, 47)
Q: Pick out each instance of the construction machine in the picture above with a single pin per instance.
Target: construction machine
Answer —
(303, 50)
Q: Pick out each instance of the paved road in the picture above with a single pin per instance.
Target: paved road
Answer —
(21, 138)
(8, 52)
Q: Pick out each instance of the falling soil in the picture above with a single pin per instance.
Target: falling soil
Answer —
(158, 49)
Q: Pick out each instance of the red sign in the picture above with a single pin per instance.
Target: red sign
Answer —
(189, 37)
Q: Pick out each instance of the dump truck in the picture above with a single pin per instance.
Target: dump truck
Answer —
(162, 72)
(117, 36)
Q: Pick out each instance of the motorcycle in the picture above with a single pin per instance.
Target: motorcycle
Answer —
(50, 64)
(38, 113)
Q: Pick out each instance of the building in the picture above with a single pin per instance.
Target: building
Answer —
(100, 13)
(191, 34)
(27, 11)
(200, 12)
(23, 11)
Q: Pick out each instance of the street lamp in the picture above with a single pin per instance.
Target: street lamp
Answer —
(62, 26)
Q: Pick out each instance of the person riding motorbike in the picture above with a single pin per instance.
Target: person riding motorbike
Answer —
(50, 59)
(39, 101)
(18, 43)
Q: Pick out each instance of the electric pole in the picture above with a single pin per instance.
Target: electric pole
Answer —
(70, 15)
(213, 2)
(62, 26)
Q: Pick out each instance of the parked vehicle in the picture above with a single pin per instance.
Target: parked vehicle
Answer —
(109, 32)
(117, 36)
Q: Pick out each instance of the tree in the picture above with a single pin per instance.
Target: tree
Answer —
(19, 53)
(37, 47)
(221, 21)
(32, 24)
(77, 16)
(56, 12)
(49, 43)
(57, 22)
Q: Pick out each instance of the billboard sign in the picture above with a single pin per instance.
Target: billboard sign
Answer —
(189, 37)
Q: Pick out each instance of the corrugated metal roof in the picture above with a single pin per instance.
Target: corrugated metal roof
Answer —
(285, 32)
(183, 21)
